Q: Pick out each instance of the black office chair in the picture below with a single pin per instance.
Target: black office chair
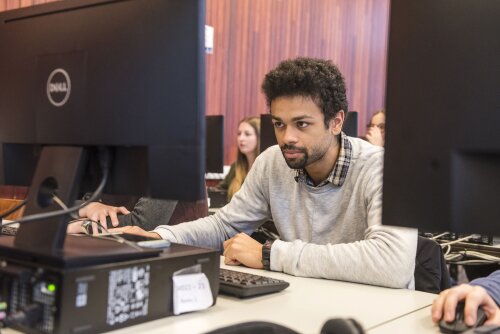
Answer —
(252, 327)
(431, 272)
(332, 326)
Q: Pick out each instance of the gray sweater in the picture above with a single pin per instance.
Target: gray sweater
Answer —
(328, 232)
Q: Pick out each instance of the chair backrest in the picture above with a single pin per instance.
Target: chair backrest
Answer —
(189, 210)
(148, 213)
(431, 272)
(251, 327)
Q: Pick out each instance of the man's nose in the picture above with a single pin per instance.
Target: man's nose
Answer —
(290, 135)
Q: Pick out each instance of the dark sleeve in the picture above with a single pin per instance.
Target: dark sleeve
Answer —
(490, 284)
(224, 184)
(148, 213)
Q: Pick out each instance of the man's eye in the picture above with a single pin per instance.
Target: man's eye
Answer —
(278, 125)
(302, 124)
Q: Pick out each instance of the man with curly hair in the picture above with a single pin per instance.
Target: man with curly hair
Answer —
(322, 189)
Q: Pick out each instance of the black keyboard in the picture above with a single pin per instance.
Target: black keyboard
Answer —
(236, 283)
(9, 230)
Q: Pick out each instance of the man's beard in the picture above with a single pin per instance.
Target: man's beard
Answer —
(296, 163)
(306, 159)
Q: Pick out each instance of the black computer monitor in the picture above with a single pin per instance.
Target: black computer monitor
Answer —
(350, 126)
(129, 76)
(267, 136)
(442, 158)
(214, 144)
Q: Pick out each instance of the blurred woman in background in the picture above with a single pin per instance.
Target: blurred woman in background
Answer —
(248, 149)
(376, 129)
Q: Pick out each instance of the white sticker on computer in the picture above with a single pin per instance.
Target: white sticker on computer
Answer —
(191, 293)
(81, 294)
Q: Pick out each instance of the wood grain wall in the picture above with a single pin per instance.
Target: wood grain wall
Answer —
(253, 36)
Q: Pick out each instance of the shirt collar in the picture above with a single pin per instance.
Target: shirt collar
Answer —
(339, 173)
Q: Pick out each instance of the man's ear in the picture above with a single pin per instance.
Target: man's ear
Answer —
(337, 122)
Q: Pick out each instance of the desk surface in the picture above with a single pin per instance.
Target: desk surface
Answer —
(413, 323)
(304, 307)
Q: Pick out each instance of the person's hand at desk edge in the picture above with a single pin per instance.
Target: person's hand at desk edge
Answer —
(483, 292)
(98, 212)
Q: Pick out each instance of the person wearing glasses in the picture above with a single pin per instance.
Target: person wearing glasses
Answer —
(376, 129)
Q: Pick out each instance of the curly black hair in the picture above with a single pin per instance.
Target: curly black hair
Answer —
(318, 79)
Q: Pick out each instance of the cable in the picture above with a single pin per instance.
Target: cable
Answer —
(105, 166)
(440, 235)
(457, 241)
(471, 258)
(448, 249)
(14, 209)
(59, 202)
(51, 214)
(104, 160)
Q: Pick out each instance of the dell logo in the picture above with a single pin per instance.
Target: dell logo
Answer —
(58, 87)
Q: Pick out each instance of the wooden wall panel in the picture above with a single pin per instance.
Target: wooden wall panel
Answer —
(253, 36)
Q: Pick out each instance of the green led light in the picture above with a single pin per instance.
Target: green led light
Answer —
(51, 287)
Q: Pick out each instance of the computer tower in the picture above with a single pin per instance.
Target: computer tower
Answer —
(77, 296)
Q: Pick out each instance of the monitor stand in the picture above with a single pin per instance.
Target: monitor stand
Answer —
(59, 171)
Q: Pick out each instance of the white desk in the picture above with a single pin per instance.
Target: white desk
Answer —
(413, 323)
(304, 306)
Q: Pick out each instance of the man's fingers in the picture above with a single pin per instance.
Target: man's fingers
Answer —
(230, 262)
(227, 243)
(102, 220)
(121, 229)
(474, 299)
(450, 304)
(437, 306)
(123, 210)
(135, 230)
(114, 219)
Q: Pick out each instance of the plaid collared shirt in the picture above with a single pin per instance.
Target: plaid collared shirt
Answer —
(339, 172)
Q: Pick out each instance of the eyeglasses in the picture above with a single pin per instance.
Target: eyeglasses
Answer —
(381, 126)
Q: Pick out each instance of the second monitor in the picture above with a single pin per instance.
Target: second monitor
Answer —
(215, 144)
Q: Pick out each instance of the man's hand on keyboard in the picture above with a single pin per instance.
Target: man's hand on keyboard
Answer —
(242, 249)
(98, 212)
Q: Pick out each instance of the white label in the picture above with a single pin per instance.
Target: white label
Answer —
(209, 39)
(191, 293)
(81, 294)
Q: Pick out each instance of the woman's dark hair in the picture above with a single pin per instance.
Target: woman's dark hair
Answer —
(318, 79)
